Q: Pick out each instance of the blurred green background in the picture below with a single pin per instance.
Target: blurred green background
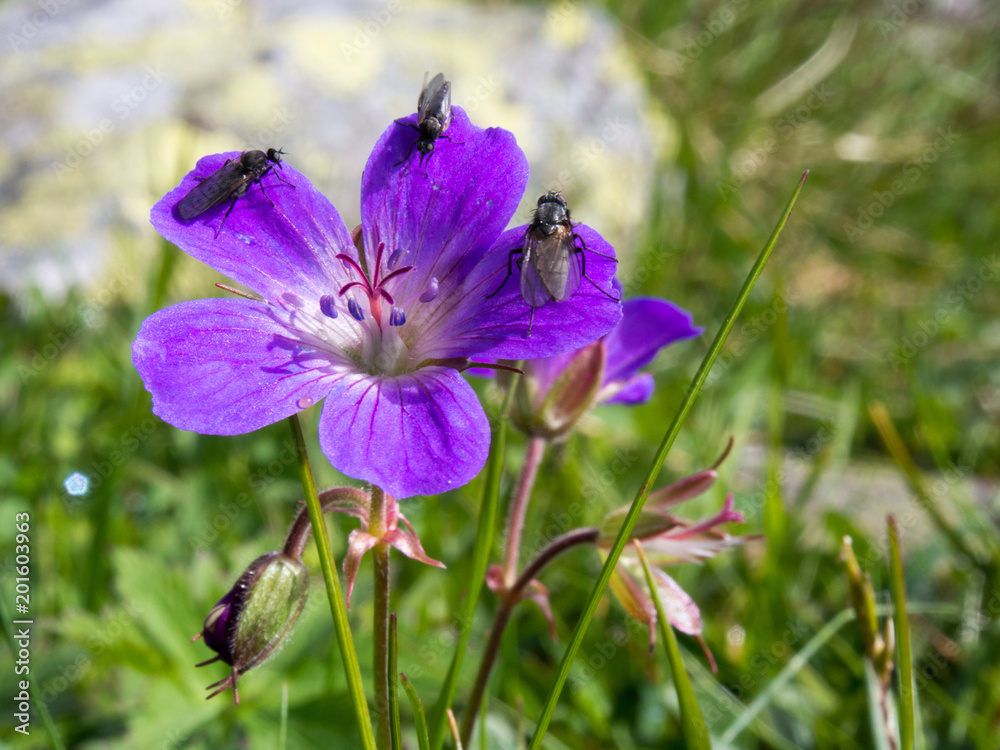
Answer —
(884, 289)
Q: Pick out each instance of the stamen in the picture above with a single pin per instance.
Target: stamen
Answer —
(431, 291)
(355, 310)
(373, 287)
(394, 258)
(328, 305)
(397, 317)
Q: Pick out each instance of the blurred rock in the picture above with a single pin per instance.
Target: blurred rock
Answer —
(108, 104)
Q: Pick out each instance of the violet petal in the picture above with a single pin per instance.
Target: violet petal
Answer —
(497, 326)
(637, 390)
(647, 325)
(420, 433)
(290, 247)
(227, 366)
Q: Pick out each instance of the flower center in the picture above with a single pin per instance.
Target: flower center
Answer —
(381, 349)
(374, 288)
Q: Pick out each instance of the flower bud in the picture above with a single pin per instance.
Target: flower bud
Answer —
(255, 617)
(555, 393)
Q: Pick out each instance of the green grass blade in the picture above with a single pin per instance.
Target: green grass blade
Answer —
(333, 592)
(419, 720)
(901, 455)
(693, 722)
(397, 739)
(904, 654)
(876, 716)
(480, 559)
(654, 470)
(793, 666)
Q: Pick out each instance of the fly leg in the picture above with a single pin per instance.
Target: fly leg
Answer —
(510, 270)
(226, 216)
(583, 264)
(410, 149)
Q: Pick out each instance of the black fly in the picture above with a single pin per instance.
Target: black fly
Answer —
(549, 272)
(433, 117)
(230, 181)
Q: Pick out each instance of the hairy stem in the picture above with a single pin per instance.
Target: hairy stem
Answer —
(508, 601)
(380, 619)
(337, 606)
(519, 506)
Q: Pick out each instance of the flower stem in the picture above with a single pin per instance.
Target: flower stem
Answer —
(519, 506)
(661, 454)
(380, 619)
(330, 500)
(337, 607)
(586, 535)
(480, 559)
(507, 603)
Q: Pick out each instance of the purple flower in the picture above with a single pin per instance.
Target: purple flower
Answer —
(648, 324)
(381, 335)
(560, 389)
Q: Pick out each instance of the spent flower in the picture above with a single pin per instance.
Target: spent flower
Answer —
(358, 504)
(668, 540)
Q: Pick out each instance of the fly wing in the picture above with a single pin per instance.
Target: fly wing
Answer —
(539, 285)
(444, 111)
(555, 264)
(228, 181)
(574, 270)
(427, 94)
(434, 95)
